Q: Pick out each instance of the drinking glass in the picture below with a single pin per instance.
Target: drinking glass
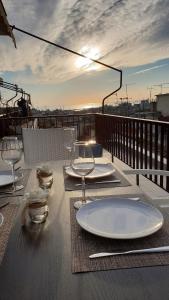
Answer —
(45, 177)
(37, 205)
(11, 153)
(82, 164)
(69, 137)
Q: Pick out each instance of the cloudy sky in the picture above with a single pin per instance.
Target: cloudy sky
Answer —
(132, 35)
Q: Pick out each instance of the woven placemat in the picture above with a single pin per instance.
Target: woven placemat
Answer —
(70, 182)
(83, 244)
(9, 212)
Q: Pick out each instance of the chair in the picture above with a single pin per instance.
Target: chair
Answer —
(97, 150)
(43, 144)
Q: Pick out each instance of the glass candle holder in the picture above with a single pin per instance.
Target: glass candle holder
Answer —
(37, 206)
(45, 177)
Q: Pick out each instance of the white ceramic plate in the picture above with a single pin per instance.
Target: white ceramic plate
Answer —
(119, 218)
(100, 170)
(6, 178)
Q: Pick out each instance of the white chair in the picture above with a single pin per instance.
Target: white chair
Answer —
(138, 172)
(43, 144)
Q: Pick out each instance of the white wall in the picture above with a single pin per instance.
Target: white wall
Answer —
(163, 104)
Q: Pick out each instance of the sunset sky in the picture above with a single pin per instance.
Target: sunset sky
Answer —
(132, 35)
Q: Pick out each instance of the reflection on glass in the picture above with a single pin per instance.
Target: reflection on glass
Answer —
(69, 138)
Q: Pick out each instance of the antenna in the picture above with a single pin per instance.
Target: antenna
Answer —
(161, 86)
(150, 91)
(126, 85)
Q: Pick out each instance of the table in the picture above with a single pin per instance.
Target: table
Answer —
(38, 266)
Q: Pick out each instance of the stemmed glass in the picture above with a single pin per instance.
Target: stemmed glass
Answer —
(82, 164)
(69, 137)
(11, 153)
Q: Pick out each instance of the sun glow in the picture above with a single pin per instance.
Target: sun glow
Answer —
(86, 63)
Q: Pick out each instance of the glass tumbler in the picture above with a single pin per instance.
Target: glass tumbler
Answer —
(45, 177)
(37, 206)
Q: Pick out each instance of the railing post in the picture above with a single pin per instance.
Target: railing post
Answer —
(4, 126)
(167, 158)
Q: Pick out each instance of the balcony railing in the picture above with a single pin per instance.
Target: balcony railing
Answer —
(84, 123)
(137, 142)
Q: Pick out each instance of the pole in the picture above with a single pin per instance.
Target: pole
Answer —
(76, 53)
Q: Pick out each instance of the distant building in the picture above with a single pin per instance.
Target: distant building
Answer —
(144, 105)
(163, 104)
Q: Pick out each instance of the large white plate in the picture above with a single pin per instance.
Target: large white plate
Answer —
(100, 170)
(119, 218)
(6, 178)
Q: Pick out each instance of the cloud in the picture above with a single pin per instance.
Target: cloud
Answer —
(128, 33)
(149, 69)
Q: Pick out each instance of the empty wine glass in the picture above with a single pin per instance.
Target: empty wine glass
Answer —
(82, 164)
(69, 138)
(11, 153)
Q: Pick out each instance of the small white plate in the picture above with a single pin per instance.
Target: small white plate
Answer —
(119, 218)
(100, 170)
(6, 178)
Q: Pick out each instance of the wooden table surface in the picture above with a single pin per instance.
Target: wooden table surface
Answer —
(37, 263)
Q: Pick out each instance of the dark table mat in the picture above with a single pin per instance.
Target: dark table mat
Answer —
(70, 182)
(23, 181)
(84, 243)
(9, 212)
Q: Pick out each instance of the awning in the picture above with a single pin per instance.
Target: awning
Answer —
(5, 28)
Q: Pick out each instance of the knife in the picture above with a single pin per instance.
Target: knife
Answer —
(99, 182)
(4, 204)
(148, 250)
(5, 195)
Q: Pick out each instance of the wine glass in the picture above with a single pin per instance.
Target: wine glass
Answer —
(11, 153)
(82, 164)
(69, 137)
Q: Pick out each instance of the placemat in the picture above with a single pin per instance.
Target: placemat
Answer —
(70, 182)
(84, 243)
(23, 181)
(9, 212)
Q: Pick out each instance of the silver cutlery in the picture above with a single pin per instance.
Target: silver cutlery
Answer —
(11, 192)
(9, 195)
(99, 182)
(164, 205)
(134, 199)
(148, 250)
(4, 204)
(17, 168)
